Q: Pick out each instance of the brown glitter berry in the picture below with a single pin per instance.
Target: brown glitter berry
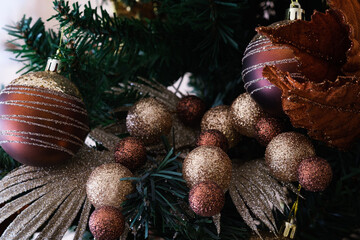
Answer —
(267, 128)
(190, 110)
(107, 223)
(213, 137)
(131, 153)
(206, 199)
(314, 174)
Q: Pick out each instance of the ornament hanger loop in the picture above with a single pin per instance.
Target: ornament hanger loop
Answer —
(53, 63)
(294, 3)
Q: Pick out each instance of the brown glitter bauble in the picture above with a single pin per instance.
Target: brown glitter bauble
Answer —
(245, 113)
(206, 199)
(148, 120)
(104, 187)
(107, 223)
(268, 128)
(190, 110)
(131, 153)
(314, 174)
(219, 118)
(213, 137)
(207, 163)
(43, 119)
(284, 154)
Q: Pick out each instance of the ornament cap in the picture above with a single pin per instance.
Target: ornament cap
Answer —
(53, 65)
(289, 229)
(295, 12)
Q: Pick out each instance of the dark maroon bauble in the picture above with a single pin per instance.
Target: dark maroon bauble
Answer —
(206, 199)
(314, 174)
(131, 153)
(107, 223)
(260, 53)
(268, 128)
(213, 137)
(190, 110)
(39, 126)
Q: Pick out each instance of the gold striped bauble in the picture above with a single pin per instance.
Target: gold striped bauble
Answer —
(43, 120)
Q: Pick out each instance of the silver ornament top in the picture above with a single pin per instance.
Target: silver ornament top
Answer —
(295, 12)
(52, 65)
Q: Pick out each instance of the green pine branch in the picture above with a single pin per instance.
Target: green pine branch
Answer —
(160, 207)
(159, 204)
(335, 212)
(33, 44)
(6, 163)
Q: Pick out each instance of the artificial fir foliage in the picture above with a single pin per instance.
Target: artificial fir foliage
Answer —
(208, 39)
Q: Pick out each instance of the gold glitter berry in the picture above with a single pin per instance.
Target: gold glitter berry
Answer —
(148, 120)
(104, 187)
(284, 154)
(219, 118)
(207, 163)
(245, 113)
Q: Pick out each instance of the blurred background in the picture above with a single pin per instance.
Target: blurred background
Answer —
(11, 12)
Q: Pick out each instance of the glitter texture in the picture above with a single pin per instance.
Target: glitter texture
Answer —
(245, 113)
(284, 154)
(185, 137)
(206, 199)
(148, 120)
(219, 118)
(264, 235)
(48, 80)
(255, 193)
(207, 163)
(190, 110)
(267, 128)
(107, 223)
(104, 187)
(217, 222)
(314, 174)
(130, 152)
(41, 127)
(53, 196)
(213, 138)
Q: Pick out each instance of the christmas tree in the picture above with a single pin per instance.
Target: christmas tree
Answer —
(157, 163)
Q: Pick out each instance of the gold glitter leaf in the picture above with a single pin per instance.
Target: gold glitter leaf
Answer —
(51, 198)
(217, 222)
(158, 91)
(256, 194)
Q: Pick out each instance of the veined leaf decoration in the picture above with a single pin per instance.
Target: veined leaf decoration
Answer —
(256, 194)
(52, 197)
(320, 45)
(328, 50)
(351, 9)
(330, 111)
